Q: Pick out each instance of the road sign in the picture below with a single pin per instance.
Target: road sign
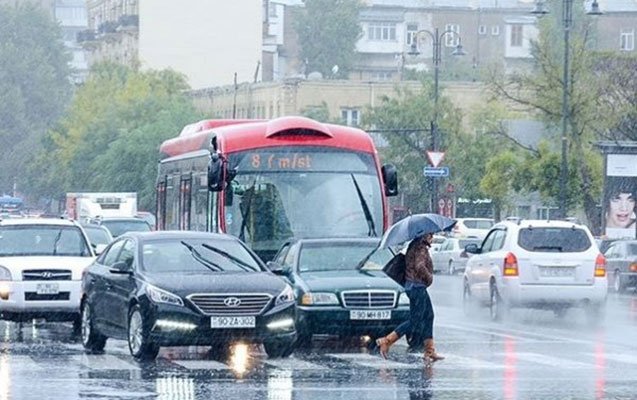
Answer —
(435, 157)
(436, 172)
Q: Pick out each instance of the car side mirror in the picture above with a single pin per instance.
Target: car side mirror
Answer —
(120, 267)
(472, 248)
(390, 179)
(276, 268)
(99, 248)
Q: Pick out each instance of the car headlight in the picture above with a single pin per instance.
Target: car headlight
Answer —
(403, 300)
(158, 295)
(5, 274)
(319, 299)
(286, 296)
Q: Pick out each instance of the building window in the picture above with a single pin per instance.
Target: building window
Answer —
(381, 75)
(516, 35)
(412, 30)
(482, 30)
(381, 31)
(627, 40)
(452, 40)
(495, 30)
(350, 116)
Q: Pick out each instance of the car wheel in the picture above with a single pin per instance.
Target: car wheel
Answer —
(618, 285)
(496, 305)
(276, 348)
(452, 269)
(92, 340)
(139, 343)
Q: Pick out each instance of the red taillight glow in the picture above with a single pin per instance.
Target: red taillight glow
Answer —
(600, 266)
(510, 265)
(633, 267)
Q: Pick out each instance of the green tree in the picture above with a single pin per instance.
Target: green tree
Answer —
(540, 90)
(109, 139)
(328, 31)
(404, 121)
(35, 86)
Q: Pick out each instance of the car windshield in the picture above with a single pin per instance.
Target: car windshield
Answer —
(97, 235)
(562, 240)
(170, 256)
(42, 240)
(119, 227)
(315, 257)
(463, 243)
(478, 224)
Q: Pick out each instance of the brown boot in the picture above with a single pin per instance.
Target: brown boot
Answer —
(430, 352)
(386, 342)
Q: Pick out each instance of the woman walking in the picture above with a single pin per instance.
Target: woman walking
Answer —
(418, 276)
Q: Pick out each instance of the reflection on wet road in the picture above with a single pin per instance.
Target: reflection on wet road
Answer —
(532, 355)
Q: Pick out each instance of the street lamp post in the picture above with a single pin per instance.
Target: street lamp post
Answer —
(436, 38)
(567, 24)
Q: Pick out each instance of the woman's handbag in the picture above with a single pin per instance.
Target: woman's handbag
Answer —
(395, 268)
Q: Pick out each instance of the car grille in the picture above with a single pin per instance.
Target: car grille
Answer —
(231, 304)
(369, 299)
(46, 275)
(34, 296)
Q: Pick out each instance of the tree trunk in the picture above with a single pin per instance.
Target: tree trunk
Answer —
(588, 201)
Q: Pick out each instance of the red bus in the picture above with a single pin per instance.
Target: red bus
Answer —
(268, 181)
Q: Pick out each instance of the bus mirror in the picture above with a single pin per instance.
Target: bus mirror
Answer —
(390, 179)
(215, 173)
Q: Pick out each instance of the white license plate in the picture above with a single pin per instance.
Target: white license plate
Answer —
(232, 322)
(556, 272)
(369, 314)
(47, 288)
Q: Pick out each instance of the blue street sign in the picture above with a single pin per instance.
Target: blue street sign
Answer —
(437, 172)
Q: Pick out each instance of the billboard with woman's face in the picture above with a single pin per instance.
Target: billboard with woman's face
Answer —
(620, 196)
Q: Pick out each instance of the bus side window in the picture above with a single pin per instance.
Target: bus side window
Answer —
(199, 203)
(185, 186)
(172, 204)
(161, 206)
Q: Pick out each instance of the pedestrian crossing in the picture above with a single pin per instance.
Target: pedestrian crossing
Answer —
(324, 362)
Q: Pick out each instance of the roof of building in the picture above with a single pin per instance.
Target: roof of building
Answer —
(605, 5)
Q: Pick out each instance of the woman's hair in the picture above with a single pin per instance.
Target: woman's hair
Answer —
(622, 185)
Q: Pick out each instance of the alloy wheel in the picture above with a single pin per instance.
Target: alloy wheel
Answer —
(135, 332)
(494, 308)
(617, 283)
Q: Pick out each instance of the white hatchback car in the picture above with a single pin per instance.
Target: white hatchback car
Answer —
(550, 265)
(472, 227)
(41, 266)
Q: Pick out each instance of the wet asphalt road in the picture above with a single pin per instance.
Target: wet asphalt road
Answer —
(532, 355)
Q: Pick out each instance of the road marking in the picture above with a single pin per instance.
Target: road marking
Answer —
(455, 362)
(547, 360)
(294, 364)
(104, 362)
(201, 364)
(370, 361)
(622, 358)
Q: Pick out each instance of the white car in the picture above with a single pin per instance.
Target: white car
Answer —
(450, 256)
(41, 266)
(550, 265)
(472, 227)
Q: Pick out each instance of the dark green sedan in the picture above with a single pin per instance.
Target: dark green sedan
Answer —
(335, 297)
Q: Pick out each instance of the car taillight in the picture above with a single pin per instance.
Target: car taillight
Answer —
(633, 267)
(600, 266)
(510, 265)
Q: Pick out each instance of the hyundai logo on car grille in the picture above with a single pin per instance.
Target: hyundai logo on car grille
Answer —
(232, 301)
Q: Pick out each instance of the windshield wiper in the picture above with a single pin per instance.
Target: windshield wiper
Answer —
(242, 264)
(246, 211)
(368, 214)
(205, 262)
(55, 242)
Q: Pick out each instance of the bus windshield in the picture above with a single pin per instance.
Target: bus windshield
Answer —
(304, 193)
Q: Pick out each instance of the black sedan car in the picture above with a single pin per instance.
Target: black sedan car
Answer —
(335, 294)
(184, 288)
